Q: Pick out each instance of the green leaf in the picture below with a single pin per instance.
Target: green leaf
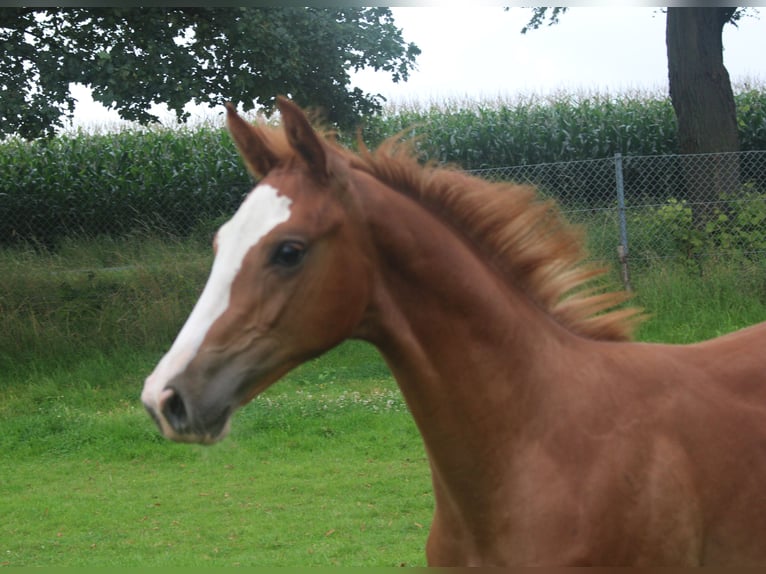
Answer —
(134, 57)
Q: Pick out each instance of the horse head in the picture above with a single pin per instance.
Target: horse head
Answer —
(288, 282)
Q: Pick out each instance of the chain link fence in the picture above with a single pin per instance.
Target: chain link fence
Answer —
(643, 208)
(651, 207)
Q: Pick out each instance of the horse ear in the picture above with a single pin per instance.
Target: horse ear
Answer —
(302, 137)
(252, 146)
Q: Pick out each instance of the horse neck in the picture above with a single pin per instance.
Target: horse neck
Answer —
(464, 346)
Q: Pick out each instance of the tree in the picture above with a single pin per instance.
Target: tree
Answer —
(134, 57)
(700, 89)
(702, 98)
(701, 94)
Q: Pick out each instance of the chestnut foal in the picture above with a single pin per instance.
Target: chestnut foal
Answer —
(552, 440)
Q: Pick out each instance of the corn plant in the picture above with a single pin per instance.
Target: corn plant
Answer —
(116, 183)
(181, 181)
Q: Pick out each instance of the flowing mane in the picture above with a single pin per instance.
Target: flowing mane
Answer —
(525, 238)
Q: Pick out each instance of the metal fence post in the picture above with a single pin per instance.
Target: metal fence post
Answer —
(622, 248)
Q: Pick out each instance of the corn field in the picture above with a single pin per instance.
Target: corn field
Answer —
(184, 182)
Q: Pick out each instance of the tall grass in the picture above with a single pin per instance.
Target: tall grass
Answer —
(104, 294)
(751, 116)
(690, 301)
(109, 295)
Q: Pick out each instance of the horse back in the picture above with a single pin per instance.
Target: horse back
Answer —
(672, 441)
(736, 362)
(714, 418)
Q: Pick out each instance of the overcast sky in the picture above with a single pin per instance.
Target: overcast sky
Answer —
(479, 52)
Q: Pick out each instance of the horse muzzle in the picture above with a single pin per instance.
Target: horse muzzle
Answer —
(181, 420)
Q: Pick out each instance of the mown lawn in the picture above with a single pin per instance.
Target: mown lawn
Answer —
(326, 468)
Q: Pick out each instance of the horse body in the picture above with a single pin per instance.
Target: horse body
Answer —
(550, 440)
(536, 436)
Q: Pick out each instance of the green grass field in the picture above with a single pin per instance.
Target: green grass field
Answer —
(326, 468)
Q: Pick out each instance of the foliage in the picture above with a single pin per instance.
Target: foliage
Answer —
(737, 225)
(159, 179)
(540, 14)
(532, 130)
(133, 57)
(179, 181)
(751, 117)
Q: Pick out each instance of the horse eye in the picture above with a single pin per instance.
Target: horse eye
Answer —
(288, 254)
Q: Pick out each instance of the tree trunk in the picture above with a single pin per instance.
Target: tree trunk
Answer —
(701, 94)
(700, 88)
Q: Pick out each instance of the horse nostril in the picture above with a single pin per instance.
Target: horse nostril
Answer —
(174, 410)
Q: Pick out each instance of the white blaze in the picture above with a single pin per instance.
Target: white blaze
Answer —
(262, 210)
